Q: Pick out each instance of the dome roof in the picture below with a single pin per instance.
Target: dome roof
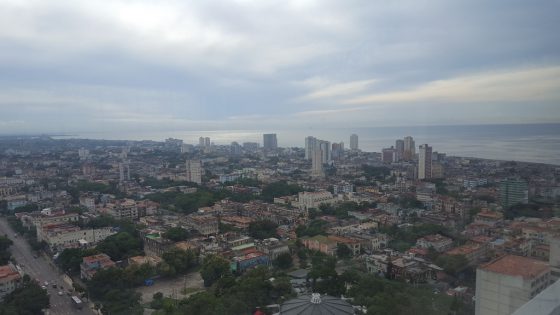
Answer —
(315, 304)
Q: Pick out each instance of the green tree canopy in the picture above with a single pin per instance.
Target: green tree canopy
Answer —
(121, 245)
(176, 234)
(213, 268)
(262, 229)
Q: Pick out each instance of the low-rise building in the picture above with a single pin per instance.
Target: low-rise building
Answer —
(308, 200)
(506, 283)
(320, 243)
(251, 258)
(204, 224)
(92, 264)
(10, 279)
(64, 235)
(272, 247)
(436, 241)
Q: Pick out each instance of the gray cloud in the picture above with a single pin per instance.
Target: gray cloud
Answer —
(123, 65)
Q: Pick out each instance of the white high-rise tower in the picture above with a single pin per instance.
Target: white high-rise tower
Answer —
(354, 142)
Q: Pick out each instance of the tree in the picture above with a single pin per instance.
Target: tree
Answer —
(342, 251)
(30, 299)
(5, 244)
(283, 261)
(453, 264)
(176, 234)
(120, 246)
(213, 268)
(279, 189)
(262, 229)
(181, 260)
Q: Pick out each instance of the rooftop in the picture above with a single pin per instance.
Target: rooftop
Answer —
(316, 304)
(516, 266)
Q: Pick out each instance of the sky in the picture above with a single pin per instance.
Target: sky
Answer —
(72, 66)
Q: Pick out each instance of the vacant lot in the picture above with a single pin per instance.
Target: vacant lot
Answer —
(174, 287)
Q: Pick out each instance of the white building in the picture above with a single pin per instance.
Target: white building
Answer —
(308, 200)
(61, 236)
(506, 283)
(354, 142)
(10, 279)
(425, 162)
(317, 163)
(194, 171)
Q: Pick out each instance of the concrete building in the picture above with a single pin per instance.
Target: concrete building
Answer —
(317, 163)
(312, 144)
(354, 142)
(438, 242)
(64, 235)
(513, 192)
(10, 279)
(425, 162)
(545, 303)
(91, 264)
(270, 142)
(388, 155)
(124, 209)
(194, 171)
(399, 147)
(409, 149)
(124, 172)
(203, 224)
(308, 200)
(320, 243)
(506, 283)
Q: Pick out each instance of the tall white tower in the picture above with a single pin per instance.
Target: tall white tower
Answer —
(425, 162)
(317, 163)
(194, 171)
(354, 142)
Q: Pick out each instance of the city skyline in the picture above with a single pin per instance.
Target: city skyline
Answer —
(134, 66)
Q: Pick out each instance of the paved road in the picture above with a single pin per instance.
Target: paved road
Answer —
(42, 269)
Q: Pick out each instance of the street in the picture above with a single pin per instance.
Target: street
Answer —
(42, 269)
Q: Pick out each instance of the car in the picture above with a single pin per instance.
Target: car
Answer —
(46, 283)
(54, 285)
(60, 293)
(43, 287)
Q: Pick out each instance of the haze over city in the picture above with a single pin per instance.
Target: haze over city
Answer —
(127, 66)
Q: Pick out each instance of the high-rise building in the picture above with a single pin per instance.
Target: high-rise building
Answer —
(317, 163)
(124, 172)
(506, 283)
(194, 171)
(399, 147)
(388, 155)
(270, 142)
(235, 148)
(337, 149)
(201, 141)
(354, 142)
(513, 192)
(251, 146)
(425, 162)
(409, 149)
(312, 143)
(207, 142)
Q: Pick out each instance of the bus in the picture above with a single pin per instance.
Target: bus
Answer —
(77, 302)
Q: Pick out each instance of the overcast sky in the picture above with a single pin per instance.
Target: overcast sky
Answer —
(86, 66)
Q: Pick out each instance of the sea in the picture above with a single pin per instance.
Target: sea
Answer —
(538, 143)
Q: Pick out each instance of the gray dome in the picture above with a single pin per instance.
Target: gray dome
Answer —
(316, 304)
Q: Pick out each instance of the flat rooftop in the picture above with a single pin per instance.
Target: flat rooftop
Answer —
(517, 266)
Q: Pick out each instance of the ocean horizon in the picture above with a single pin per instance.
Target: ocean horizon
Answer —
(538, 143)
